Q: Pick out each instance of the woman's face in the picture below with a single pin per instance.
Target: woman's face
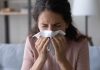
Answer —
(49, 20)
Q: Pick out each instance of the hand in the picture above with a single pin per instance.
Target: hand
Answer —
(60, 46)
(41, 46)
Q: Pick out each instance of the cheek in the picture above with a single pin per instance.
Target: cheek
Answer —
(40, 27)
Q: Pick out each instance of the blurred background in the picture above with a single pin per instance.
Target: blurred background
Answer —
(16, 22)
(19, 23)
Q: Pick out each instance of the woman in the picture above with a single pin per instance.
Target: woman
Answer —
(71, 50)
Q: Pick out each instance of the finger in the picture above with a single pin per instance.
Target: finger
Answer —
(42, 43)
(38, 43)
(54, 43)
(61, 39)
(57, 41)
(45, 45)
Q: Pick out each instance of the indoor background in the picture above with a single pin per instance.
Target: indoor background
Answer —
(19, 24)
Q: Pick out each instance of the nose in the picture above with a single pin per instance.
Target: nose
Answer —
(50, 27)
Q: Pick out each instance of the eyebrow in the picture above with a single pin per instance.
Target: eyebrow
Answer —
(57, 23)
(53, 24)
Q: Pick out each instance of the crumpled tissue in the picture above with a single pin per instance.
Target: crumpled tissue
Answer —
(50, 34)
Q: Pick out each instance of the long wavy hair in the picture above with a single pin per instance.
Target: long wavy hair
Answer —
(61, 7)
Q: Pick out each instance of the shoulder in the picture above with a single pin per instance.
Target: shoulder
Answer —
(82, 47)
(83, 44)
(82, 55)
(30, 42)
(82, 40)
(76, 46)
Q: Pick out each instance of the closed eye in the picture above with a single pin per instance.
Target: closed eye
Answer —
(44, 25)
(57, 25)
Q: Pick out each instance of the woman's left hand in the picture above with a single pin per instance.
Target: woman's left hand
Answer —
(60, 46)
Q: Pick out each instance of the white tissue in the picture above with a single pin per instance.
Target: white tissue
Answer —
(47, 33)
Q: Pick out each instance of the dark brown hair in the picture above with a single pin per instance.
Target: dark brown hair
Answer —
(61, 7)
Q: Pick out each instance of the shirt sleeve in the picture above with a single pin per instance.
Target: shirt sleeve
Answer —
(28, 59)
(83, 57)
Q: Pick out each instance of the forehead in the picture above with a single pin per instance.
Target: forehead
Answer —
(49, 17)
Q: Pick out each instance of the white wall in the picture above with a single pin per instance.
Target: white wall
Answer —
(94, 29)
(18, 24)
(19, 28)
(93, 26)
